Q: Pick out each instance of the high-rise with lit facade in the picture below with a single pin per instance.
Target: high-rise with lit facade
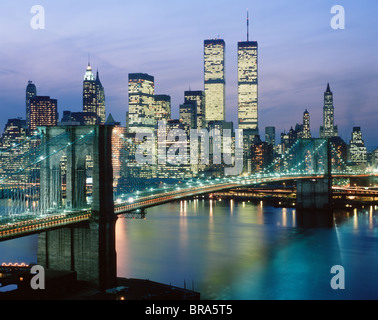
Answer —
(93, 97)
(43, 112)
(188, 115)
(215, 80)
(14, 133)
(357, 149)
(100, 97)
(306, 132)
(198, 98)
(162, 107)
(141, 102)
(328, 129)
(248, 86)
(31, 91)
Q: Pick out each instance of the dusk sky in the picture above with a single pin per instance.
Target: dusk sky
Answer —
(299, 53)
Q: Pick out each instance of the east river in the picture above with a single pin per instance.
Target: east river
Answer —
(237, 250)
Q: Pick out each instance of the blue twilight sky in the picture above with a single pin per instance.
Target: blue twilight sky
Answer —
(299, 53)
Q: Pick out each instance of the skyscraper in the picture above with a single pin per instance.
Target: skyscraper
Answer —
(357, 148)
(214, 78)
(198, 98)
(306, 133)
(248, 84)
(43, 112)
(100, 99)
(188, 115)
(162, 107)
(14, 133)
(328, 129)
(141, 102)
(93, 97)
(31, 91)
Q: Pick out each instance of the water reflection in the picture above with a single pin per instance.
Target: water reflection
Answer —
(243, 250)
(257, 252)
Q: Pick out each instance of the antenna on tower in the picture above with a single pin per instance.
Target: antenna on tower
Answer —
(247, 25)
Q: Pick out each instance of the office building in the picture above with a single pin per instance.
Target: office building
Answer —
(306, 132)
(93, 97)
(31, 91)
(328, 129)
(214, 80)
(15, 132)
(162, 107)
(43, 112)
(198, 98)
(357, 149)
(248, 86)
(141, 102)
(261, 156)
(188, 114)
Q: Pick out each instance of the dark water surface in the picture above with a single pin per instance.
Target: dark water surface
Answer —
(240, 250)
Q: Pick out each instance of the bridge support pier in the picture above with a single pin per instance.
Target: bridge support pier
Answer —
(314, 194)
(89, 247)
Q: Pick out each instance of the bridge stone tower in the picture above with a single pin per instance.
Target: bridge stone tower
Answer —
(315, 156)
(89, 247)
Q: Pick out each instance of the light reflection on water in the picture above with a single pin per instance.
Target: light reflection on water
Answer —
(241, 250)
(236, 250)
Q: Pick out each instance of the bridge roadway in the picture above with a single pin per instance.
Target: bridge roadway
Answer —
(29, 225)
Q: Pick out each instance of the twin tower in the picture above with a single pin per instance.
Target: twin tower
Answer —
(215, 83)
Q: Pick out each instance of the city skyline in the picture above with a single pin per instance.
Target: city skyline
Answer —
(58, 56)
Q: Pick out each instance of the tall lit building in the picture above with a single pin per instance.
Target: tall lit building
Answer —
(141, 102)
(11, 147)
(31, 91)
(100, 99)
(14, 133)
(93, 96)
(188, 115)
(162, 107)
(43, 112)
(176, 165)
(357, 148)
(261, 156)
(215, 80)
(328, 129)
(248, 86)
(306, 133)
(197, 97)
